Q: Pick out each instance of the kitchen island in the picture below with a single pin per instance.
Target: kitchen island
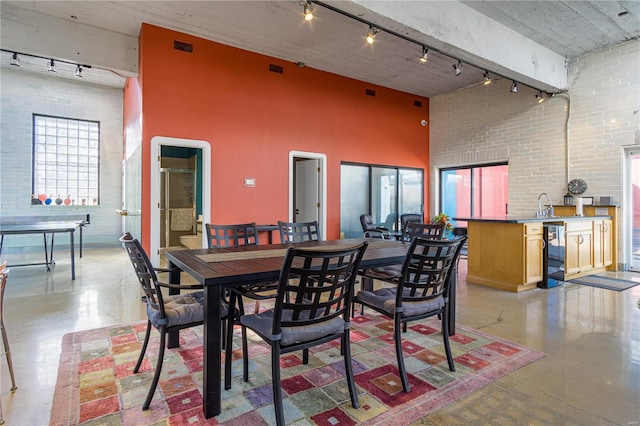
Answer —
(507, 252)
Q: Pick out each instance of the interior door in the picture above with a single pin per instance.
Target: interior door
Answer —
(633, 221)
(307, 190)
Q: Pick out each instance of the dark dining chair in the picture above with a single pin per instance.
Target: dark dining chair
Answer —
(296, 232)
(410, 217)
(312, 307)
(370, 230)
(421, 291)
(165, 313)
(236, 235)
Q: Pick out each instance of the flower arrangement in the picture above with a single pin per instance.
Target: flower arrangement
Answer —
(443, 218)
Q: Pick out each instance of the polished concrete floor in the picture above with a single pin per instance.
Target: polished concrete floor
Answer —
(590, 376)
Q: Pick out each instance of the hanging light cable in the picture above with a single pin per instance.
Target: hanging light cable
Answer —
(15, 60)
(52, 66)
(458, 68)
(424, 55)
(308, 9)
(371, 34)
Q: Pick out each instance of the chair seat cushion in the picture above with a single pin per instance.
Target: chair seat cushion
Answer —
(385, 273)
(385, 299)
(262, 324)
(180, 309)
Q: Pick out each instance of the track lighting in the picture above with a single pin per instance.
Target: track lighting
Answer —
(540, 97)
(487, 79)
(52, 66)
(371, 34)
(308, 9)
(15, 60)
(78, 72)
(514, 87)
(424, 55)
(458, 68)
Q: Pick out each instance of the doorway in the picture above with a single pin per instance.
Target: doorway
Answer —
(307, 183)
(161, 234)
(632, 214)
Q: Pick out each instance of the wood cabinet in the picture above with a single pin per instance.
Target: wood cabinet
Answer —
(505, 255)
(578, 247)
(533, 261)
(602, 253)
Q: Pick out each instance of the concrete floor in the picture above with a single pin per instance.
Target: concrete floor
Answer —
(590, 376)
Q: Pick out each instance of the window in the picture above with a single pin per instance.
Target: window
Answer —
(384, 192)
(474, 191)
(66, 160)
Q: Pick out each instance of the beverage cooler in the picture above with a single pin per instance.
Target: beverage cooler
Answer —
(553, 256)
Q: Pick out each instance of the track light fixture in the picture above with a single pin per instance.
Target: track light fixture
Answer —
(487, 79)
(424, 55)
(52, 66)
(539, 97)
(308, 9)
(514, 87)
(371, 34)
(78, 72)
(458, 68)
(15, 60)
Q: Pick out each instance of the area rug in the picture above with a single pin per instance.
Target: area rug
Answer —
(609, 283)
(96, 384)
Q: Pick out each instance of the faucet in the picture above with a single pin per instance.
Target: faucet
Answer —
(548, 212)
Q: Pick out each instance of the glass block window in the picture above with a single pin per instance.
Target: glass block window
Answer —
(66, 161)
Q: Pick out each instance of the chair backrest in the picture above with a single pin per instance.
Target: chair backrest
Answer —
(296, 232)
(244, 234)
(367, 222)
(145, 273)
(427, 269)
(432, 231)
(410, 217)
(315, 286)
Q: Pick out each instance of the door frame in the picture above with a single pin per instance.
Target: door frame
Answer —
(627, 211)
(205, 190)
(322, 193)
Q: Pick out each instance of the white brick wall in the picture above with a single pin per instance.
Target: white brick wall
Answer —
(485, 124)
(24, 93)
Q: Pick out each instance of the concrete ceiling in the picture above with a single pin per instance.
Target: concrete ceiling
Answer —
(485, 35)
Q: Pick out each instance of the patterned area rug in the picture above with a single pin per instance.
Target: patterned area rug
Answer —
(96, 384)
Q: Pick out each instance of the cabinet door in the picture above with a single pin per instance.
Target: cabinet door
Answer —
(607, 253)
(598, 228)
(586, 251)
(533, 259)
(578, 252)
(572, 253)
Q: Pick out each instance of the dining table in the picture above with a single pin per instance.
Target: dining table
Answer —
(220, 268)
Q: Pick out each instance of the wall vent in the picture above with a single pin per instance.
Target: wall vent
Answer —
(417, 104)
(276, 68)
(185, 47)
(369, 92)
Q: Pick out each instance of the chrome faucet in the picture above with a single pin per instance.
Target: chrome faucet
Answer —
(548, 211)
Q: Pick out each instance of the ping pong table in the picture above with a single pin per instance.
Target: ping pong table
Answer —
(46, 225)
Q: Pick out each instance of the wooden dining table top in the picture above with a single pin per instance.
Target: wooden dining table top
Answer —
(246, 264)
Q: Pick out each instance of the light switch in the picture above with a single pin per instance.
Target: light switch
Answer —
(249, 182)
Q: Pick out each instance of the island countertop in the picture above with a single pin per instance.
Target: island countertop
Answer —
(525, 219)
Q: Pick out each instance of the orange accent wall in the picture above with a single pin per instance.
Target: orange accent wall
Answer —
(253, 117)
